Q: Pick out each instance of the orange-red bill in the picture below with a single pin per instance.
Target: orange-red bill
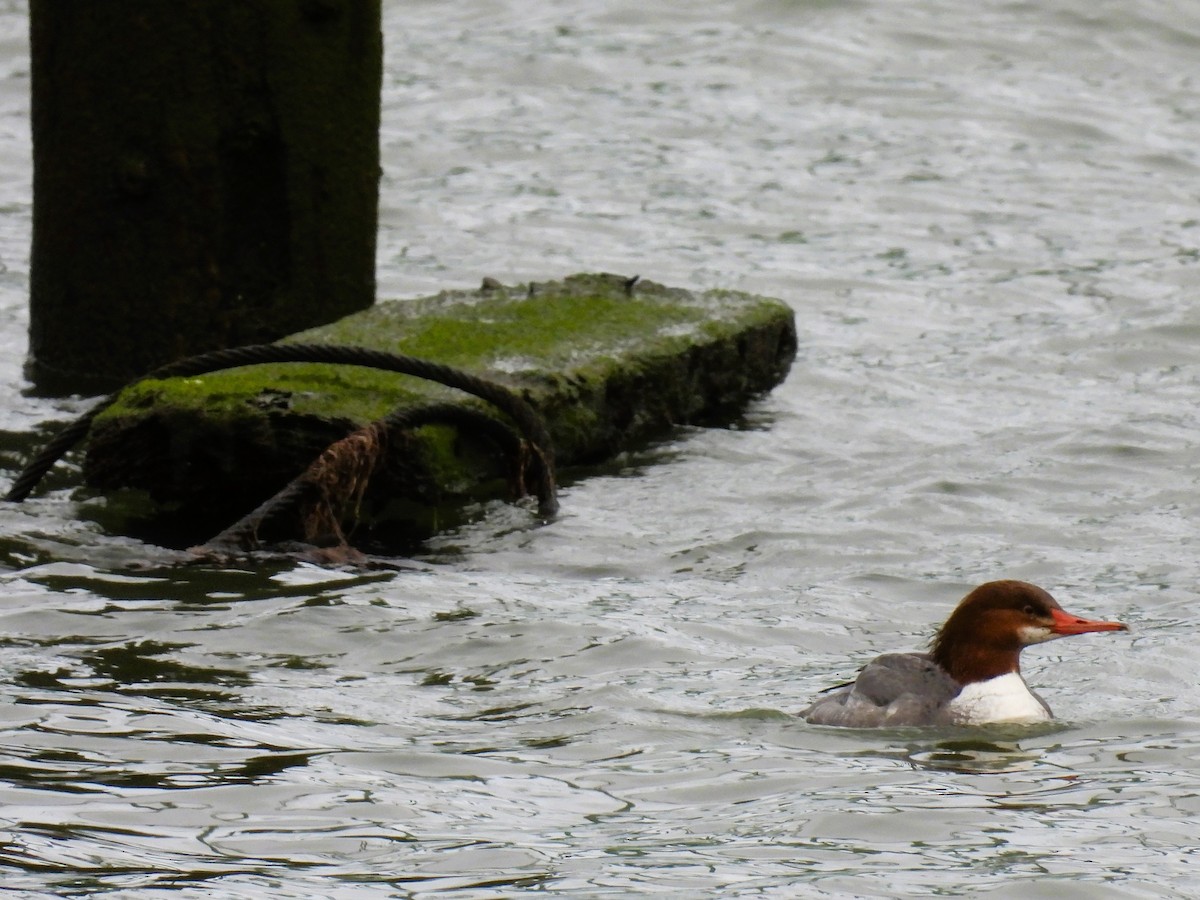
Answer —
(1065, 623)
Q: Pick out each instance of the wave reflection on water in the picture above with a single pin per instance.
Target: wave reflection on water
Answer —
(382, 733)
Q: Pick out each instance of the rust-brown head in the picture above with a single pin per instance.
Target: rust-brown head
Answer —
(986, 632)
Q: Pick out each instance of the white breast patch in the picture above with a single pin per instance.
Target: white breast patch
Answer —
(1005, 698)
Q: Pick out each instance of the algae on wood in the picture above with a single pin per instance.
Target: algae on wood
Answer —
(609, 366)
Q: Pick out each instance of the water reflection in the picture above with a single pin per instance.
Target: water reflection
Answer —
(974, 756)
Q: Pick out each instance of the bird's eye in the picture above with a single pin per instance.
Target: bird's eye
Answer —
(1029, 610)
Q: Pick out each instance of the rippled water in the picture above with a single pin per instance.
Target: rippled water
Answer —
(985, 216)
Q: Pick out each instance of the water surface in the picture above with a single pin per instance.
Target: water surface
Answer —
(985, 217)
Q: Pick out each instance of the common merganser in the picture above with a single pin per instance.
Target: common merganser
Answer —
(972, 672)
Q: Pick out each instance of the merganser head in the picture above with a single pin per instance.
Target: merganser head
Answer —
(986, 632)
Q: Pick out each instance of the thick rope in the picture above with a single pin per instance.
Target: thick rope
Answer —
(522, 414)
(309, 485)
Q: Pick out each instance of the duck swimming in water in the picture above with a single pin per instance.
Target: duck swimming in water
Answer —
(972, 672)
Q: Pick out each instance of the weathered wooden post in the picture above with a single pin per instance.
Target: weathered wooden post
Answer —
(205, 175)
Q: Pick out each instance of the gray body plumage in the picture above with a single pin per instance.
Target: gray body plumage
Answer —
(892, 690)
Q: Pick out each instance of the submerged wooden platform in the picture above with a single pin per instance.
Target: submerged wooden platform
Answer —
(609, 362)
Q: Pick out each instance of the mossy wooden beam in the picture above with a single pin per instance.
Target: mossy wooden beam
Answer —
(609, 363)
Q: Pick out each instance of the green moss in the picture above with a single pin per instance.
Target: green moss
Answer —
(533, 338)
(447, 462)
(514, 327)
(337, 392)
